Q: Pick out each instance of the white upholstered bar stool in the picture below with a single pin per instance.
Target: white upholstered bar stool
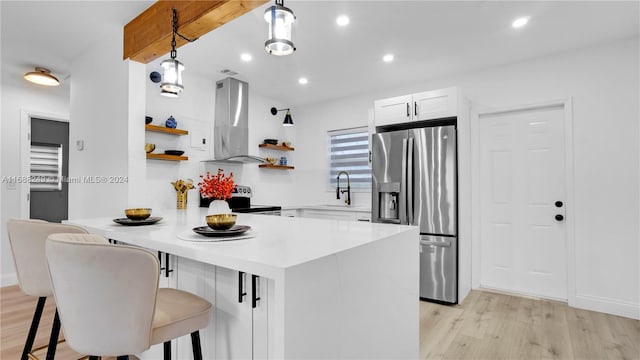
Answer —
(27, 239)
(109, 301)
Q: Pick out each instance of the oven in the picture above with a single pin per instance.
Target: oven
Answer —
(240, 202)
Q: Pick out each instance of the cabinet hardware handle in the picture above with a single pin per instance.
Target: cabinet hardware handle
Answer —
(415, 108)
(254, 295)
(408, 110)
(166, 264)
(160, 260)
(559, 204)
(241, 291)
(559, 217)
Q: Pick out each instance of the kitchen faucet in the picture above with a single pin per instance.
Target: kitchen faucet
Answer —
(348, 191)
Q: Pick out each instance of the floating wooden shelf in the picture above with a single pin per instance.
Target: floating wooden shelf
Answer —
(278, 167)
(167, 157)
(165, 130)
(276, 147)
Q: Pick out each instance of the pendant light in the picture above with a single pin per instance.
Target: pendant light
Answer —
(42, 76)
(172, 68)
(288, 120)
(280, 21)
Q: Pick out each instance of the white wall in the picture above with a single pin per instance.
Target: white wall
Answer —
(194, 110)
(17, 95)
(603, 82)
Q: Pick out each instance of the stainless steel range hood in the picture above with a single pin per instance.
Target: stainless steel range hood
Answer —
(231, 123)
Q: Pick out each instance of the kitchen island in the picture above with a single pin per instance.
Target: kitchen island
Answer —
(301, 288)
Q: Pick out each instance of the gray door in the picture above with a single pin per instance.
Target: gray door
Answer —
(389, 164)
(433, 180)
(51, 204)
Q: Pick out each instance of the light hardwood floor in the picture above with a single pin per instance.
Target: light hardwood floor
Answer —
(486, 326)
(496, 326)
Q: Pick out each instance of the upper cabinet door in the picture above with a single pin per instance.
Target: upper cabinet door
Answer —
(435, 104)
(395, 110)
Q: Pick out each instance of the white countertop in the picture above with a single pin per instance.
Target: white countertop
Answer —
(280, 242)
(329, 208)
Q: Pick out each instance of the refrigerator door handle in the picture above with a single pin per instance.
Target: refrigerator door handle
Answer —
(403, 185)
(410, 181)
(436, 243)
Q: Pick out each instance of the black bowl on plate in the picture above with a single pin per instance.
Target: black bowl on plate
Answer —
(271, 141)
(174, 152)
(148, 119)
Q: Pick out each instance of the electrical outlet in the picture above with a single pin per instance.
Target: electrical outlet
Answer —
(80, 145)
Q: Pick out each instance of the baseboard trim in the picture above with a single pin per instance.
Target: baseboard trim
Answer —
(8, 279)
(609, 306)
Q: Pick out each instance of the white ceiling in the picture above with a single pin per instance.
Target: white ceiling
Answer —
(428, 38)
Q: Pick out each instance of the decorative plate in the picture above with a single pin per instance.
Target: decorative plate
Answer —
(148, 221)
(235, 230)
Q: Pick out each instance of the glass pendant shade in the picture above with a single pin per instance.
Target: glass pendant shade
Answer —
(172, 76)
(280, 21)
(288, 121)
(42, 76)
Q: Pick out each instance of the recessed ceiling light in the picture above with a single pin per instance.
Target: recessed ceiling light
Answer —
(520, 22)
(342, 20)
(388, 58)
(303, 81)
(246, 57)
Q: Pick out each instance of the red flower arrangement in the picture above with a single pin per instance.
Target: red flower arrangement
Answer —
(218, 187)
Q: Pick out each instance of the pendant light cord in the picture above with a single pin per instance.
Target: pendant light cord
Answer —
(174, 53)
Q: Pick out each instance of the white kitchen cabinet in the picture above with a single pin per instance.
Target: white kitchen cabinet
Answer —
(394, 110)
(426, 105)
(198, 278)
(241, 327)
(167, 280)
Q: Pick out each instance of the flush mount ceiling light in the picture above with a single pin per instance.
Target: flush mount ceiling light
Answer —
(246, 57)
(280, 21)
(303, 81)
(288, 120)
(42, 76)
(342, 20)
(387, 58)
(520, 22)
(172, 68)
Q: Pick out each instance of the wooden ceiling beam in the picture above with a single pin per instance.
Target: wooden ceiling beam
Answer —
(148, 36)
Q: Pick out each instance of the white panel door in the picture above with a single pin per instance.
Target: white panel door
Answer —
(522, 176)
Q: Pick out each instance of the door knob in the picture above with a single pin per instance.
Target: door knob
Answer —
(559, 217)
(559, 204)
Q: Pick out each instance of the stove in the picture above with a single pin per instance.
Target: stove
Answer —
(240, 202)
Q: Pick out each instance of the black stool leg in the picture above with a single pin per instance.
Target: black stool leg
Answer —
(93, 358)
(34, 328)
(123, 357)
(167, 350)
(195, 343)
(53, 339)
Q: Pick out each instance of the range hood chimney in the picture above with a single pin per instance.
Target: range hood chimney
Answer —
(231, 123)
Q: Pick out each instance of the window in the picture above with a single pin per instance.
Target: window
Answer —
(349, 151)
(46, 167)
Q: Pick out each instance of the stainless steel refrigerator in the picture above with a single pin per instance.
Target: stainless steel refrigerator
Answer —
(415, 183)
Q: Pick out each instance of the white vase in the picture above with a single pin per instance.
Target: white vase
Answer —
(219, 207)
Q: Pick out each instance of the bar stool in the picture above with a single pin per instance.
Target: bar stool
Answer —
(109, 301)
(27, 239)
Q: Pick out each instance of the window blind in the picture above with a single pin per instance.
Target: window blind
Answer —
(349, 151)
(46, 167)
